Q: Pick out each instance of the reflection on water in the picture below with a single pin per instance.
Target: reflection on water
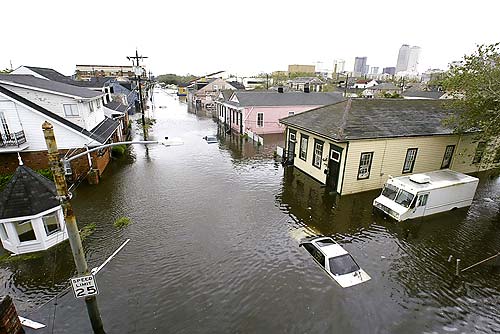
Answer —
(214, 248)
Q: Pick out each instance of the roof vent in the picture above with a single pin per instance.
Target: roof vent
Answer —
(420, 178)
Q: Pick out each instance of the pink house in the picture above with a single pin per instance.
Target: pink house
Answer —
(260, 111)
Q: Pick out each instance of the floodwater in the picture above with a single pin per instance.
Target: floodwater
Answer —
(214, 249)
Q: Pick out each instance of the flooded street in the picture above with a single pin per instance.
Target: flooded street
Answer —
(214, 249)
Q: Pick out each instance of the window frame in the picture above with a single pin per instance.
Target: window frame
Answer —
(72, 110)
(451, 156)
(262, 120)
(315, 154)
(479, 153)
(369, 167)
(56, 216)
(91, 106)
(410, 170)
(32, 229)
(302, 137)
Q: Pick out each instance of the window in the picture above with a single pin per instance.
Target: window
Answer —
(303, 147)
(315, 253)
(67, 168)
(411, 156)
(422, 200)
(260, 119)
(3, 232)
(5, 126)
(343, 264)
(404, 198)
(318, 153)
(478, 156)
(98, 104)
(51, 224)
(25, 231)
(292, 136)
(291, 113)
(390, 191)
(365, 164)
(91, 106)
(70, 109)
(448, 154)
(335, 156)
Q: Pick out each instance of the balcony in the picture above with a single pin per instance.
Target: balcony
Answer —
(13, 142)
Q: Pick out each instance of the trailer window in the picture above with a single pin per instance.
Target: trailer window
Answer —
(404, 198)
(390, 191)
(422, 200)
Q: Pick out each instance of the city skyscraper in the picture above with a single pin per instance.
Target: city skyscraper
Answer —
(338, 65)
(374, 70)
(360, 66)
(408, 58)
(403, 56)
(389, 70)
(413, 59)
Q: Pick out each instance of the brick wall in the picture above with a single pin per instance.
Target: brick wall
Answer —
(38, 160)
(9, 321)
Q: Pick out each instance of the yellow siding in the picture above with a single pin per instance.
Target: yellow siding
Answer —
(389, 156)
(307, 166)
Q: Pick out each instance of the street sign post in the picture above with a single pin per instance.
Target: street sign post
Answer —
(84, 286)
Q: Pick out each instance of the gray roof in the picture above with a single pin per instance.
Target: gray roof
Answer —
(115, 105)
(27, 194)
(374, 118)
(306, 80)
(53, 86)
(50, 74)
(385, 86)
(423, 94)
(99, 133)
(273, 98)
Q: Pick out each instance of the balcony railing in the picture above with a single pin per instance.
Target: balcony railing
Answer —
(12, 139)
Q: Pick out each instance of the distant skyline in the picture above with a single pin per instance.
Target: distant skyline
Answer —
(246, 37)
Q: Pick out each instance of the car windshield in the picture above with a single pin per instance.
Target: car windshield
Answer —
(404, 198)
(390, 191)
(342, 265)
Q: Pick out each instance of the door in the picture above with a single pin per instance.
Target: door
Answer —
(419, 205)
(291, 147)
(332, 178)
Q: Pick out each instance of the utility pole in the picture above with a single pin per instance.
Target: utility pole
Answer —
(346, 82)
(138, 79)
(56, 165)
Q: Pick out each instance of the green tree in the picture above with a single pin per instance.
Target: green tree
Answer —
(475, 85)
(6, 71)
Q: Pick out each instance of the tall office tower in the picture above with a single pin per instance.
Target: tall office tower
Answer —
(374, 70)
(403, 57)
(389, 70)
(338, 65)
(360, 65)
(413, 59)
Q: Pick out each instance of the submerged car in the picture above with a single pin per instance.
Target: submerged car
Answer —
(335, 260)
(210, 139)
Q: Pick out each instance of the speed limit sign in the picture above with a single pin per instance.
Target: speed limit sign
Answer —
(84, 286)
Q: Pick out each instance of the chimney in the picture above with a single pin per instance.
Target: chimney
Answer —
(280, 89)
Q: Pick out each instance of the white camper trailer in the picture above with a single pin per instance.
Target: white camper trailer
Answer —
(419, 195)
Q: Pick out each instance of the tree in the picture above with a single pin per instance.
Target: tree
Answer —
(6, 71)
(475, 86)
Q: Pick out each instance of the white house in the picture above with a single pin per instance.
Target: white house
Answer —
(31, 217)
(364, 84)
(76, 113)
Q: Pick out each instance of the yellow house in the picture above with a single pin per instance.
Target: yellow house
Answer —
(355, 145)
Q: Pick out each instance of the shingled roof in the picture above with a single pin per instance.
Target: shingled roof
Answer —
(374, 118)
(48, 85)
(50, 74)
(27, 193)
(273, 98)
(100, 133)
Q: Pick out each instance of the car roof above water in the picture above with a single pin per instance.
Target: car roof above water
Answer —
(329, 246)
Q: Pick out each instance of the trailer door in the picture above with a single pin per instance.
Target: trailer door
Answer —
(420, 205)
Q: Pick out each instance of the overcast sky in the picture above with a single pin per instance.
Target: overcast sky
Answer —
(242, 37)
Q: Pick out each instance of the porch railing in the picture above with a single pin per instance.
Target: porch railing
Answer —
(12, 139)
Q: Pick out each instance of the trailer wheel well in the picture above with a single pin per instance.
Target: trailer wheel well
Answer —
(454, 208)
